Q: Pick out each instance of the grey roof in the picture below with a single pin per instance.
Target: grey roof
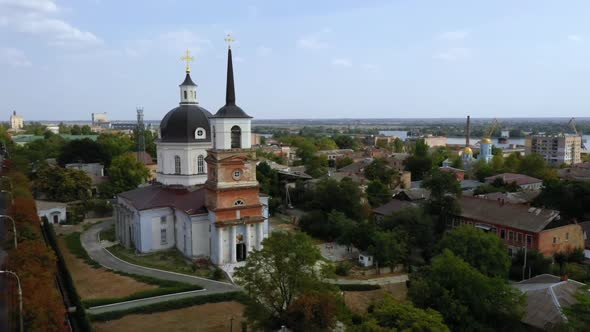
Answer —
(414, 194)
(356, 166)
(469, 184)
(190, 200)
(512, 215)
(179, 125)
(520, 179)
(393, 206)
(546, 296)
(47, 205)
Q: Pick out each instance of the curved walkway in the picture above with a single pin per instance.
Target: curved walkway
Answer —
(95, 250)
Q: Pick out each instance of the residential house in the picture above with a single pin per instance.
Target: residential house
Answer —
(547, 295)
(54, 212)
(519, 226)
(459, 173)
(523, 181)
(397, 160)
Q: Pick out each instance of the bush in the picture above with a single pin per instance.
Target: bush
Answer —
(172, 305)
(343, 268)
(576, 255)
(358, 287)
(217, 274)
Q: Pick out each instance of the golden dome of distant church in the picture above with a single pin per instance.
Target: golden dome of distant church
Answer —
(467, 150)
(486, 141)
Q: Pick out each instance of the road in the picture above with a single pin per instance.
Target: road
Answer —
(90, 242)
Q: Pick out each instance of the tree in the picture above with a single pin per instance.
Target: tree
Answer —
(277, 275)
(389, 248)
(317, 166)
(326, 226)
(313, 311)
(329, 194)
(421, 148)
(571, 198)
(534, 165)
(398, 145)
(63, 184)
(482, 169)
(379, 170)
(345, 142)
(484, 251)
(86, 130)
(344, 161)
(84, 151)
(467, 299)
(125, 173)
(326, 143)
(512, 162)
(115, 145)
(378, 193)
(390, 313)
(76, 130)
(444, 190)
(418, 166)
(417, 226)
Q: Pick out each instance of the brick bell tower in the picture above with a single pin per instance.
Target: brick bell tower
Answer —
(235, 210)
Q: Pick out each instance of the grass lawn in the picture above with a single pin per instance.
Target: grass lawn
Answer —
(358, 302)
(96, 283)
(207, 317)
(168, 260)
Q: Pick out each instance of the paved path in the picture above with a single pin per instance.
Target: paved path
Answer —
(142, 302)
(95, 250)
(376, 281)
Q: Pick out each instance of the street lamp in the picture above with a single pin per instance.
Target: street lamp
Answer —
(20, 296)
(13, 228)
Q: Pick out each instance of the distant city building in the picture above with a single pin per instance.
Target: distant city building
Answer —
(124, 126)
(24, 139)
(53, 128)
(505, 133)
(555, 149)
(16, 121)
(99, 118)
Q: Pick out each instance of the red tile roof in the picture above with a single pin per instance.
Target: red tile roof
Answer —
(191, 201)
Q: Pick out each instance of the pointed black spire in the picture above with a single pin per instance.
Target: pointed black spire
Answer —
(230, 91)
(230, 110)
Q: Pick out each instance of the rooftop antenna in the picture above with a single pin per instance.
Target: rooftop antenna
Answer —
(140, 135)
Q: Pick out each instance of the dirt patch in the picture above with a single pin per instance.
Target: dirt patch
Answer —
(207, 317)
(99, 283)
(358, 302)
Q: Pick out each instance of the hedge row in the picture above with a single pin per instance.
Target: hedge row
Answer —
(74, 245)
(80, 317)
(358, 287)
(152, 280)
(172, 305)
(141, 295)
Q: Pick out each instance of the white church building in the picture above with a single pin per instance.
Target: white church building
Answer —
(206, 200)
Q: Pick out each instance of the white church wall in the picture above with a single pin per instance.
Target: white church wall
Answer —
(200, 236)
(188, 153)
(222, 132)
(183, 233)
(264, 201)
(151, 226)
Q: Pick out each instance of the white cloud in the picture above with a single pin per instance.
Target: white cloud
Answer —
(263, 51)
(342, 62)
(46, 6)
(369, 67)
(36, 17)
(454, 35)
(454, 54)
(13, 57)
(574, 38)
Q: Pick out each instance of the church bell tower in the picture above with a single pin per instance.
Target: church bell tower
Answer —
(232, 197)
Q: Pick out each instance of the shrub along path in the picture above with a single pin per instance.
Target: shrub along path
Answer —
(99, 254)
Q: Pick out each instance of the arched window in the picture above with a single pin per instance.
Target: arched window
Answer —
(200, 164)
(200, 133)
(185, 94)
(176, 165)
(239, 202)
(236, 137)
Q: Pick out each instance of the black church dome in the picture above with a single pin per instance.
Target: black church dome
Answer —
(181, 123)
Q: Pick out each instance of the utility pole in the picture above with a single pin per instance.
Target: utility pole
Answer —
(20, 297)
(524, 265)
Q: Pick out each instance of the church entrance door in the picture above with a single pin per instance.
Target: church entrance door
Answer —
(240, 252)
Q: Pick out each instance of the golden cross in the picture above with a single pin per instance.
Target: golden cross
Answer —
(229, 40)
(188, 58)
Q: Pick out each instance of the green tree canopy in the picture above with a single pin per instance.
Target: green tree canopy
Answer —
(115, 145)
(389, 248)
(125, 173)
(277, 275)
(416, 224)
(444, 190)
(329, 194)
(380, 170)
(62, 184)
(391, 314)
(484, 251)
(85, 151)
(467, 299)
(578, 314)
(378, 193)
(345, 142)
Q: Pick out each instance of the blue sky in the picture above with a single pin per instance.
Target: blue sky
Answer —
(296, 58)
